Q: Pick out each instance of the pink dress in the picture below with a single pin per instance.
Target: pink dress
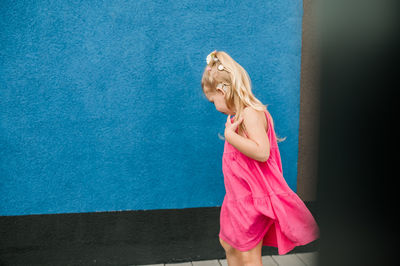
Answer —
(259, 204)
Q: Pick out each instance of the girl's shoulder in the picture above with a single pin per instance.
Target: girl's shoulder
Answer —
(250, 111)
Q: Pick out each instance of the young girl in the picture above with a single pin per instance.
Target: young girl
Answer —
(259, 208)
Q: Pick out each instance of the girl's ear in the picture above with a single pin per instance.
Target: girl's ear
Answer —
(221, 91)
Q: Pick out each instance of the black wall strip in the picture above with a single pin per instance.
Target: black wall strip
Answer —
(117, 238)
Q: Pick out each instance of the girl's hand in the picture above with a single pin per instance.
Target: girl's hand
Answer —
(231, 127)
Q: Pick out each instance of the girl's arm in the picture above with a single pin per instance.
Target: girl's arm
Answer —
(257, 146)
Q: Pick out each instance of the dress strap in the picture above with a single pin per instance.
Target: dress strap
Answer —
(271, 127)
(269, 120)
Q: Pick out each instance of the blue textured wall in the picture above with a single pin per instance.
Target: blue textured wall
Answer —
(101, 104)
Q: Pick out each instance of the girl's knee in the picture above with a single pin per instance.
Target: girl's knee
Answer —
(250, 260)
(252, 257)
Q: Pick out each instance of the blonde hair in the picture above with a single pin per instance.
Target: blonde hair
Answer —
(237, 82)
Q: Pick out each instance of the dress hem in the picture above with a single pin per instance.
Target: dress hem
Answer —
(280, 250)
(248, 246)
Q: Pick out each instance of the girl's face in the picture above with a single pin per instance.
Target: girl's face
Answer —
(219, 102)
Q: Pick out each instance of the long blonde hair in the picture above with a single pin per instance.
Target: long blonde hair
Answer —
(237, 81)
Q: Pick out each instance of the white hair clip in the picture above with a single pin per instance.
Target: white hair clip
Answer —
(211, 56)
(221, 86)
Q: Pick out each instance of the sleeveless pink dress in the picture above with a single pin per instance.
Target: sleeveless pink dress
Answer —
(259, 204)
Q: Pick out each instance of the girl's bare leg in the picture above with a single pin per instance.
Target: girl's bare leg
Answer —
(232, 254)
(251, 257)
